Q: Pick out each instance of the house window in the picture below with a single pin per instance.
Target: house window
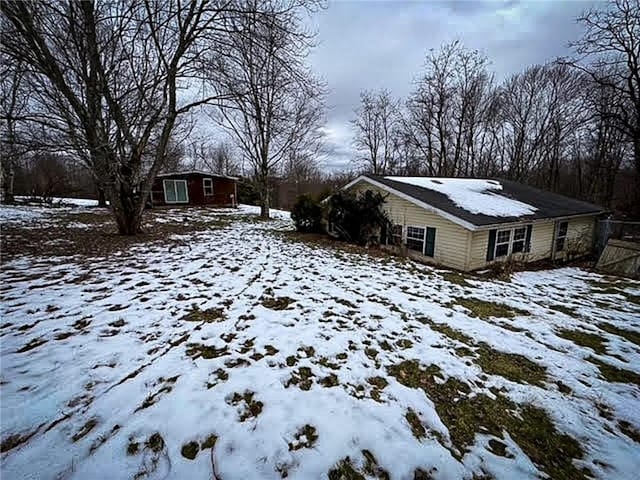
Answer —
(519, 235)
(561, 235)
(415, 238)
(207, 184)
(503, 239)
(175, 191)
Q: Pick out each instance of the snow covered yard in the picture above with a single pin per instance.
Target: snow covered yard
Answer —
(236, 345)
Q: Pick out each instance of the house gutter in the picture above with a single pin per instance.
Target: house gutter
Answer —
(480, 228)
(457, 220)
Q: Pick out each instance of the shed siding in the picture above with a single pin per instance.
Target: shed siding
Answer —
(451, 239)
(223, 190)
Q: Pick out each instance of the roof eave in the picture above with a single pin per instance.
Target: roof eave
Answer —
(196, 172)
(419, 203)
(491, 226)
(457, 220)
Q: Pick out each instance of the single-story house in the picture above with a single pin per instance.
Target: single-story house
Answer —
(194, 188)
(470, 223)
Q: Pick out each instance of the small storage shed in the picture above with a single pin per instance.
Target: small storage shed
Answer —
(194, 188)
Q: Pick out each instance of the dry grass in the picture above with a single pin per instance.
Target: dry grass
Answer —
(99, 240)
(480, 413)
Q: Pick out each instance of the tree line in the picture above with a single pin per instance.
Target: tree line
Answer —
(119, 83)
(569, 126)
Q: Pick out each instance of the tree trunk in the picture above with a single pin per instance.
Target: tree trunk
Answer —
(128, 222)
(7, 187)
(264, 202)
(102, 198)
(636, 158)
(127, 208)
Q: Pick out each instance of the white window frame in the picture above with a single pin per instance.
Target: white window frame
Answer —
(558, 236)
(499, 243)
(512, 240)
(204, 186)
(523, 239)
(186, 190)
(416, 238)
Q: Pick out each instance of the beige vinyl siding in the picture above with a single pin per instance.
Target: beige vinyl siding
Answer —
(452, 241)
(541, 241)
(579, 240)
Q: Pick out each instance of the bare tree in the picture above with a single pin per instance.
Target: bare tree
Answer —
(107, 78)
(376, 126)
(447, 110)
(539, 109)
(272, 104)
(600, 149)
(301, 167)
(13, 103)
(609, 52)
(212, 155)
(48, 175)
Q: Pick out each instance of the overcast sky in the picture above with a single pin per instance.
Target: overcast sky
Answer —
(367, 44)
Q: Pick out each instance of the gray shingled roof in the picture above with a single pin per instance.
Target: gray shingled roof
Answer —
(548, 205)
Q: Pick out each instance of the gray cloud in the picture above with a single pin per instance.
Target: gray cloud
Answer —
(376, 44)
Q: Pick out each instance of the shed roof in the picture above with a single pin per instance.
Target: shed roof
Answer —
(474, 202)
(195, 172)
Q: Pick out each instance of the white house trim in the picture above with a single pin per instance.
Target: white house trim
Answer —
(458, 220)
(409, 198)
(164, 190)
(525, 221)
(204, 187)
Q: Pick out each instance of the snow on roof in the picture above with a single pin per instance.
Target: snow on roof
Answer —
(476, 195)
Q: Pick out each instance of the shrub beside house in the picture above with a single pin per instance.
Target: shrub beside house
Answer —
(469, 224)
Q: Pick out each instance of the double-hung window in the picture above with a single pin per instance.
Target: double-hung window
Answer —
(207, 186)
(421, 239)
(415, 238)
(561, 235)
(503, 238)
(519, 236)
(509, 241)
(175, 191)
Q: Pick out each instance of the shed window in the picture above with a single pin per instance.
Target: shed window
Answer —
(175, 191)
(207, 185)
(502, 243)
(561, 235)
(415, 238)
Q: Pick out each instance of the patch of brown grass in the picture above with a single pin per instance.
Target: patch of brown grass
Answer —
(530, 426)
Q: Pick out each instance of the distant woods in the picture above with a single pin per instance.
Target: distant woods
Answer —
(101, 96)
(119, 85)
(570, 126)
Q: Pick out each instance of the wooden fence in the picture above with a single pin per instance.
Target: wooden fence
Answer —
(617, 230)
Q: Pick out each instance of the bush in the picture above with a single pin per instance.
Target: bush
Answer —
(247, 193)
(307, 215)
(358, 218)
